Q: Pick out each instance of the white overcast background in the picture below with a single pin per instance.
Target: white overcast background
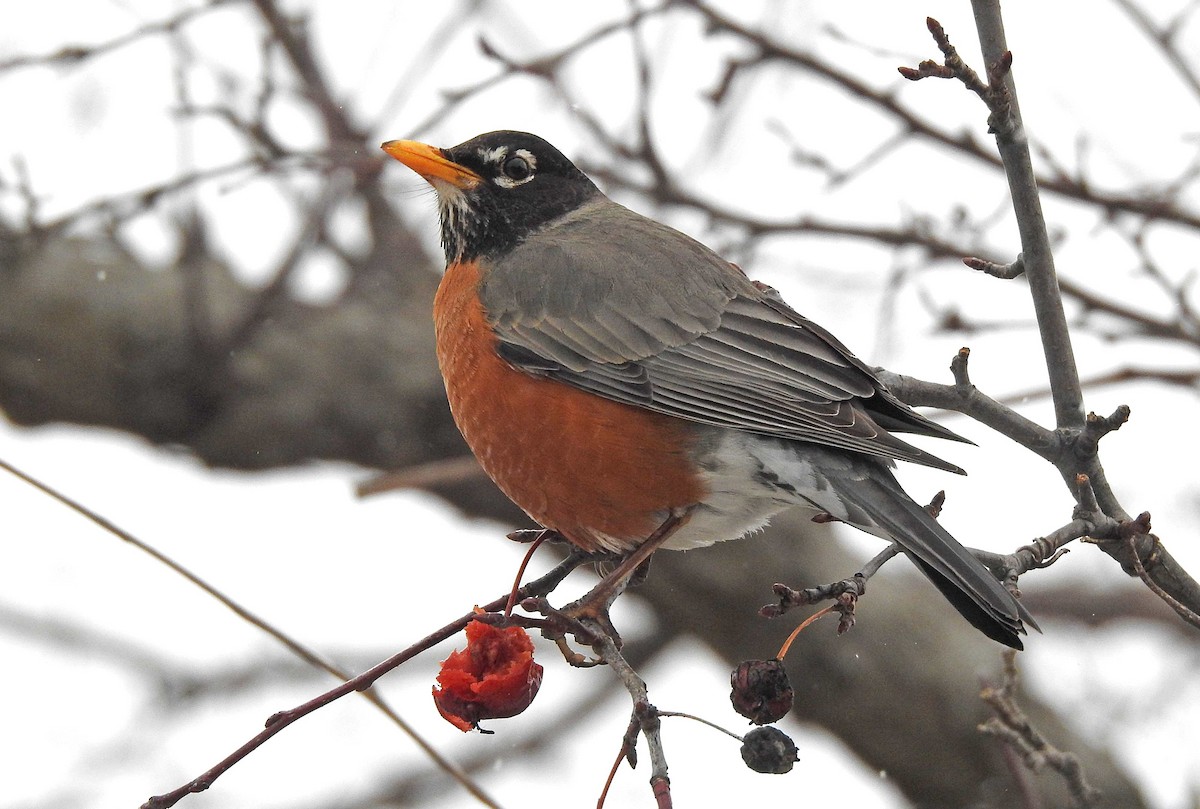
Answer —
(342, 575)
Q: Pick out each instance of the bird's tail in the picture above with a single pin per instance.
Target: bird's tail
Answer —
(878, 504)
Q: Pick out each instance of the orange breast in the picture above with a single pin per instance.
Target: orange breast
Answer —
(601, 473)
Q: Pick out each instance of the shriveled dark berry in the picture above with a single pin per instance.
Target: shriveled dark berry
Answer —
(761, 691)
(769, 750)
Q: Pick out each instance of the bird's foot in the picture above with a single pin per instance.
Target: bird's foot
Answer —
(587, 619)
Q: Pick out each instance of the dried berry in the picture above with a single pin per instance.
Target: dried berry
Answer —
(769, 750)
(761, 691)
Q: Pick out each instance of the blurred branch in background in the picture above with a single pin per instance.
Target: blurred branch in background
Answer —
(249, 372)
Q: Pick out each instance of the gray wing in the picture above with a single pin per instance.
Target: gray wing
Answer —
(622, 306)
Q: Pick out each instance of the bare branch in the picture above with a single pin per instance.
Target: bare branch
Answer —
(855, 586)
(1182, 378)
(362, 682)
(1098, 515)
(74, 55)
(645, 716)
(1037, 255)
(291, 644)
(424, 476)
(292, 36)
(1167, 41)
(769, 50)
(1012, 726)
(964, 397)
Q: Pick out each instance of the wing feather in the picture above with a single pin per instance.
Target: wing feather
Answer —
(625, 321)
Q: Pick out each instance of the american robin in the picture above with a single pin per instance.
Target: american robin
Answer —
(614, 376)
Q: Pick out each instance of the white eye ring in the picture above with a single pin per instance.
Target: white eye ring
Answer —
(516, 169)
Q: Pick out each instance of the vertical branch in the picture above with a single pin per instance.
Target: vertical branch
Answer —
(1076, 454)
(1013, 144)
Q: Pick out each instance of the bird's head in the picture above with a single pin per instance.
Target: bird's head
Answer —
(495, 189)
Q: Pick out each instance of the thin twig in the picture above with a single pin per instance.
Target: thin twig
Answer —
(963, 397)
(855, 586)
(1184, 612)
(361, 682)
(1119, 376)
(767, 50)
(291, 644)
(73, 55)
(444, 471)
(1013, 727)
(1166, 41)
(628, 752)
(513, 596)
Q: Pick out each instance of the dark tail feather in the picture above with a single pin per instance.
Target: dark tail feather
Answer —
(981, 617)
(965, 582)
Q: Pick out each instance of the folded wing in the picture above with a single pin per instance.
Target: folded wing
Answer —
(656, 320)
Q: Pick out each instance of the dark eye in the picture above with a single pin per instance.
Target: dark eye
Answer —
(517, 168)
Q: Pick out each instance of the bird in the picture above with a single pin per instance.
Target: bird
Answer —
(615, 376)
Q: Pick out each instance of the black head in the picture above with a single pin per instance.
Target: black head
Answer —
(496, 189)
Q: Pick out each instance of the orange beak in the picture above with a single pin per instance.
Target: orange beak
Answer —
(431, 163)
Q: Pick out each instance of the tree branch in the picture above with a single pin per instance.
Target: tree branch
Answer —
(1037, 258)
(1013, 727)
(1074, 447)
(963, 397)
(278, 721)
(294, 646)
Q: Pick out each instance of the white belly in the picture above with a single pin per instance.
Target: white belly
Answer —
(749, 480)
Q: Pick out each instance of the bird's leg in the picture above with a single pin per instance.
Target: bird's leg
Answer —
(595, 603)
